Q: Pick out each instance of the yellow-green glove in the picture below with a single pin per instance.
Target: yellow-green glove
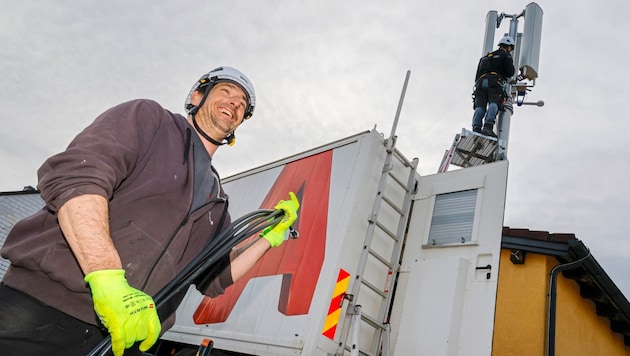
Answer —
(129, 314)
(276, 234)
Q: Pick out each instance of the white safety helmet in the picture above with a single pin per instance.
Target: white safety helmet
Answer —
(223, 74)
(506, 41)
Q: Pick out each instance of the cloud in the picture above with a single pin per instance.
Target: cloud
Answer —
(324, 70)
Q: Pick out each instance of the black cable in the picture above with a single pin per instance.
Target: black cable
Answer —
(215, 251)
(220, 246)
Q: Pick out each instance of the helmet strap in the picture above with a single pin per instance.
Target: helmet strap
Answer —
(229, 138)
(193, 110)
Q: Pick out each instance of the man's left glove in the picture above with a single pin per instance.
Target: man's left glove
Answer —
(129, 314)
(275, 234)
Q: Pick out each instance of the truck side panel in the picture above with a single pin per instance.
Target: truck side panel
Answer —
(281, 307)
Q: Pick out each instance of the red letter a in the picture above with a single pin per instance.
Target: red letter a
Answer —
(299, 261)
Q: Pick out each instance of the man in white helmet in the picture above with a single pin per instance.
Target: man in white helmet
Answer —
(131, 201)
(493, 71)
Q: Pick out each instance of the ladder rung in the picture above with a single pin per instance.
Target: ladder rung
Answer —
(386, 230)
(381, 258)
(393, 205)
(402, 159)
(400, 183)
(374, 288)
(373, 322)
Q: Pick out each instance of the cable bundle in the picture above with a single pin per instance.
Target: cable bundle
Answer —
(219, 247)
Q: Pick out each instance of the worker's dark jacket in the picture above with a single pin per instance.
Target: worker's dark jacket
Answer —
(139, 156)
(496, 66)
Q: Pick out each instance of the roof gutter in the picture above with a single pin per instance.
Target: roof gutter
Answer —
(551, 313)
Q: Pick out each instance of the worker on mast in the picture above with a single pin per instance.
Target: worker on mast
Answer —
(493, 71)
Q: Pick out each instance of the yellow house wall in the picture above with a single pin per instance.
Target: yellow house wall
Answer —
(579, 331)
(521, 314)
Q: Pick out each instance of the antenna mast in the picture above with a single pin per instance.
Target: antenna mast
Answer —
(526, 57)
(471, 148)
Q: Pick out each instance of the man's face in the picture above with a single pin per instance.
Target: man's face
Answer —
(223, 110)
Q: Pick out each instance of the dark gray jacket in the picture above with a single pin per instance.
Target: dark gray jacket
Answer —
(139, 156)
(497, 65)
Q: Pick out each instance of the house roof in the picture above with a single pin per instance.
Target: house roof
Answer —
(15, 206)
(594, 283)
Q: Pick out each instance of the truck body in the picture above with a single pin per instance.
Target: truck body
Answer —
(423, 274)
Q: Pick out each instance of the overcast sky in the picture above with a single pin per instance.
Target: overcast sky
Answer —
(324, 70)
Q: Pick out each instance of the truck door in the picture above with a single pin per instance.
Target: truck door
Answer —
(446, 291)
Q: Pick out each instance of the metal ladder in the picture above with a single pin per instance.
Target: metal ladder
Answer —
(470, 149)
(367, 313)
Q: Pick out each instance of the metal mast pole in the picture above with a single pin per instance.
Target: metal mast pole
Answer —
(504, 117)
(400, 104)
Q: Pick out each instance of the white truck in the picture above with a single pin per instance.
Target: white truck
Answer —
(387, 262)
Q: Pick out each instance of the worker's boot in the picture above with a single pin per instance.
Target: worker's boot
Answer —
(488, 131)
(477, 129)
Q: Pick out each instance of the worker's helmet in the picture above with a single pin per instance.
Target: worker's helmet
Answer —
(506, 41)
(224, 74)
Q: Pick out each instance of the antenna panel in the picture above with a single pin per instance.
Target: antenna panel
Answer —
(530, 46)
(491, 25)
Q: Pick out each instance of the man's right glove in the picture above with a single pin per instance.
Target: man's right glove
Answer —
(129, 314)
(275, 234)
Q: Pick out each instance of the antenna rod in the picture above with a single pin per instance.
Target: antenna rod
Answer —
(400, 103)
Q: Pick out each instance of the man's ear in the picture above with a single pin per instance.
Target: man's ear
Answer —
(195, 97)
